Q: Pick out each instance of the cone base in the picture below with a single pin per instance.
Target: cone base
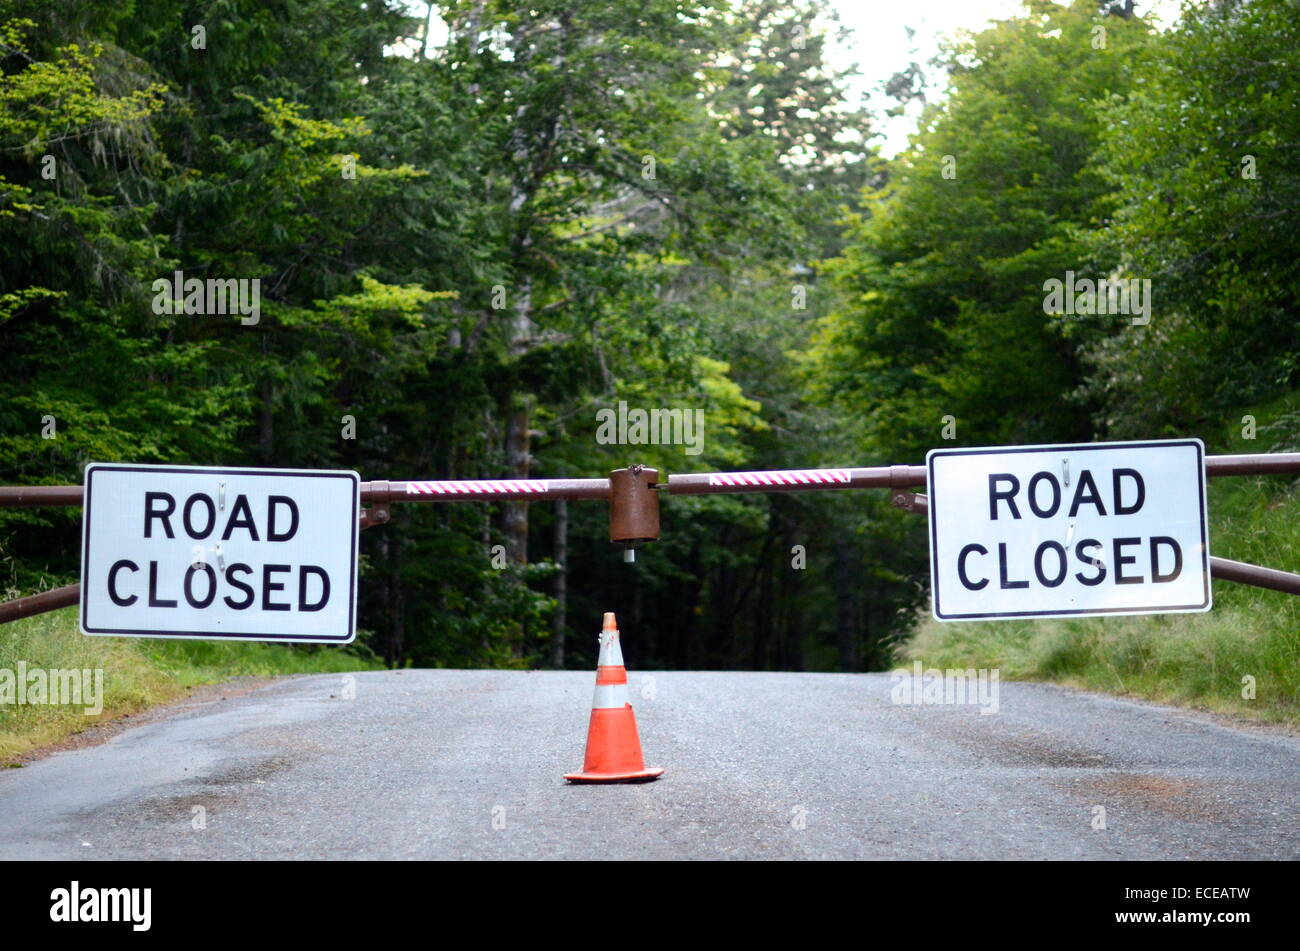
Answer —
(639, 776)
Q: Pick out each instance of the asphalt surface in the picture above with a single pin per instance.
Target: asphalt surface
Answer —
(469, 764)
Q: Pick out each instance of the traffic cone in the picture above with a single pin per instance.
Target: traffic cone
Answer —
(613, 747)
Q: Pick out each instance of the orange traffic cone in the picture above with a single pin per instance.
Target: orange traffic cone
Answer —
(613, 747)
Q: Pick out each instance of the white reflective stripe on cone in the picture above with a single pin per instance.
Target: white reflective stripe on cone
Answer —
(611, 654)
(609, 697)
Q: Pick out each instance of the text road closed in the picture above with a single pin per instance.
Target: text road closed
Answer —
(1107, 528)
(262, 554)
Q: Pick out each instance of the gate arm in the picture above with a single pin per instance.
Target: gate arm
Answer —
(634, 517)
(373, 492)
(796, 480)
(50, 600)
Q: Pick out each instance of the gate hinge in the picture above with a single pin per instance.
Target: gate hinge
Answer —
(377, 514)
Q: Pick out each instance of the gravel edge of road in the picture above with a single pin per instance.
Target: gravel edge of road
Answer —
(96, 734)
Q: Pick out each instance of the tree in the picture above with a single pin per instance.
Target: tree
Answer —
(946, 263)
(1202, 159)
(596, 174)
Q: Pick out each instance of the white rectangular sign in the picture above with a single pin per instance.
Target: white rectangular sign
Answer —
(253, 554)
(1046, 531)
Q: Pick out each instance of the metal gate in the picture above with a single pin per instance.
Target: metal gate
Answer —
(633, 498)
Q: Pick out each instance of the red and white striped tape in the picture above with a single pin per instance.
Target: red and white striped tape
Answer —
(781, 477)
(477, 487)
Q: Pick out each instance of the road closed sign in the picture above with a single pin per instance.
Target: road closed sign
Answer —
(249, 554)
(1048, 531)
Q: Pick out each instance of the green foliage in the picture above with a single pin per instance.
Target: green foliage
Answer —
(1072, 137)
(464, 253)
(384, 203)
(1195, 659)
(1201, 157)
(136, 673)
(943, 274)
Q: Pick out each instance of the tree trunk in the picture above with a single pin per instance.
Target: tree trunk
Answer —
(397, 606)
(559, 620)
(763, 620)
(265, 425)
(844, 606)
(518, 462)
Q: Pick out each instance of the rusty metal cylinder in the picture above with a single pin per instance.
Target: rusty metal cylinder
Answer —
(633, 506)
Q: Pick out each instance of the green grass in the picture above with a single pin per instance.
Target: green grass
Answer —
(138, 672)
(1196, 660)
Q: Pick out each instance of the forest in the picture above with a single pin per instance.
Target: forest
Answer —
(470, 240)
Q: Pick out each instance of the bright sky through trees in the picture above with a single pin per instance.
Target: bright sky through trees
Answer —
(881, 46)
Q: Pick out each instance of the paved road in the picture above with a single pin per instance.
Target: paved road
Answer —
(468, 764)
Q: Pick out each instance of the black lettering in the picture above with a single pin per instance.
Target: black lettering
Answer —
(1120, 507)
(154, 600)
(271, 503)
(235, 582)
(241, 516)
(212, 515)
(961, 568)
(1038, 563)
(1033, 494)
(117, 599)
(1009, 496)
(1156, 542)
(150, 513)
(1100, 576)
(302, 588)
(1092, 498)
(188, 587)
(268, 586)
(1002, 568)
(1121, 559)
